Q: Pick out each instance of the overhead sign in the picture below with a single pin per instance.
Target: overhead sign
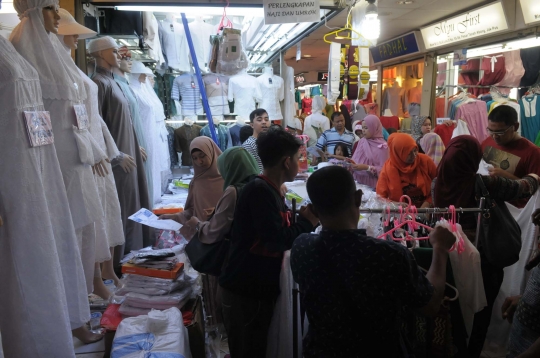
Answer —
(291, 11)
(484, 21)
(531, 11)
(322, 76)
(398, 47)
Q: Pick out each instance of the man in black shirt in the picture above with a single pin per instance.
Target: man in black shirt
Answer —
(262, 231)
(355, 286)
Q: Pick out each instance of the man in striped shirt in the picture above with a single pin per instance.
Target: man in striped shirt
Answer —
(260, 122)
(337, 134)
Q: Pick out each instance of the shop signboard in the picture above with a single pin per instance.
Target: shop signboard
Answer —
(484, 21)
(291, 11)
(322, 76)
(531, 10)
(398, 47)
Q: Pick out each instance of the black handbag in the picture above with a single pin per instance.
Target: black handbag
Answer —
(209, 258)
(500, 235)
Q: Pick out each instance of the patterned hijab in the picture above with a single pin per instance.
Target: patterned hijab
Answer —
(206, 187)
(236, 165)
(433, 146)
(416, 127)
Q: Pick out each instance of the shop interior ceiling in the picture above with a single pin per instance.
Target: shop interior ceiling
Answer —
(397, 18)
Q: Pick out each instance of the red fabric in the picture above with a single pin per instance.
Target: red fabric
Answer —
(111, 317)
(439, 107)
(390, 122)
(306, 105)
(491, 77)
(445, 132)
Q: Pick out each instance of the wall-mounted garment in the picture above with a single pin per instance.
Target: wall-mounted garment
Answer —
(530, 116)
(272, 93)
(186, 90)
(494, 71)
(393, 98)
(475, 115)
(306, 105)
(245, 92)
(514, 69)
(217, 91)
(223, 136)
(530, 58)
(183, 137)
(151, 38)
(174, 45)
(470, 72)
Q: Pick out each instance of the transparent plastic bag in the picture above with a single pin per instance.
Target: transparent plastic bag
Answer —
(231, 55)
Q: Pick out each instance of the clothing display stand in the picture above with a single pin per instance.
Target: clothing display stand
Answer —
(206, 106)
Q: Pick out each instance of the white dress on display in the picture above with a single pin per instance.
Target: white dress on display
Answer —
(161, 130)
(151, 38)
(290, 105)
(62, 87)
(245, 92)
(272, 92)
(37, 226)
(149, 127)
(175, 45)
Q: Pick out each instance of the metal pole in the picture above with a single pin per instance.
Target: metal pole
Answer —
(199, 80)
(480, 217)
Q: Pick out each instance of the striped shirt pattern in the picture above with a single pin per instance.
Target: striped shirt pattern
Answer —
(251, 146)
(331, 138)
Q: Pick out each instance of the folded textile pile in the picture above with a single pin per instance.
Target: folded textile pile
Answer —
(164, 259)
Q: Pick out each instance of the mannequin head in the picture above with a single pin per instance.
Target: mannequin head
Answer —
(125, 62)
(188, 121)
(71, 41)
(217, 120)
(51, 18)
(142, 78)
(105, 51)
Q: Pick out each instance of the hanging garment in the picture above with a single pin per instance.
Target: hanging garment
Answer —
(514, 69)
(474, 113)
(441, 74)
(306, 105)
(151, 38)
(234, 132)
(272, 92)
(171, 144)
(289, 106)
(151, 137)
(183, 137)
(200, 35)
(515, 276)
(174, 45)
(334, 64)
(108, 229)
(494, 71)
(186, 90)
(217, 88)
(31, 187)
(414, 110)
(131, 187)
(223, 135)
(137, 121)
(530, 58)
(415, 95)
(394, 100)
(317, 123)
(245, 93)
(445, 132)
(390, 122)
(530, 116)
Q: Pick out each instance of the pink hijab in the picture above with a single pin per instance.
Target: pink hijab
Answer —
(206, 187)
(372, 151)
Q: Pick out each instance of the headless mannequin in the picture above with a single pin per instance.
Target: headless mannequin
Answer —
(105, 270)
(188, 121)
(273, 92)
(217, 120)
(183, 137)
(240, 121)
(245, 92)
(387, 113)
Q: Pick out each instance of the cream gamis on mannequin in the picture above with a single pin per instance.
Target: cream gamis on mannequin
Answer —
(37, 234)
(62, 88)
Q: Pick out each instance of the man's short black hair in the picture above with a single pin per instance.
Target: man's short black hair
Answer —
(505, 114)
(245, 133)
(331, 190)
(336, 114)
(256, 113)
(275, 144)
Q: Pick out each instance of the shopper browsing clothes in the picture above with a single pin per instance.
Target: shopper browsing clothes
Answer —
(355, 286)
(262, 231)
(337, 134)
(260, 122)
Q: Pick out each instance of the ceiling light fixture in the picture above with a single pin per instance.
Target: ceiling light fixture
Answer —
(7, 7)
(371, 26)
(405, 2)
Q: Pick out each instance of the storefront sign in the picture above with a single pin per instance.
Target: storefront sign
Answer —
(398, 47)
(322, 76)
(291, 11)
(531, 11)
(485, 21)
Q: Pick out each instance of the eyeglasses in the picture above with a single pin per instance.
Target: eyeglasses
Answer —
(499, 133)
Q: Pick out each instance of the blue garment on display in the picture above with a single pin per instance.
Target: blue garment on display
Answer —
(222, 135)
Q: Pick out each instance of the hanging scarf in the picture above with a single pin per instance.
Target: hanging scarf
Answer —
(206, 187)
(236, 165)
(433, 146)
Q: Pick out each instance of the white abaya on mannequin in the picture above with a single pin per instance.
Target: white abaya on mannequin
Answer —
(37, 227)
(62, 87)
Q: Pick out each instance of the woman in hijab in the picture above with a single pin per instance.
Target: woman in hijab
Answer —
(432, 145)
(420, 126)
(63, 94)
(455, 185)
(406, 172)
(371, 153)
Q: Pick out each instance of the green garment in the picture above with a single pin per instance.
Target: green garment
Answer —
(329, 109)
(236, 164)
(537, 141)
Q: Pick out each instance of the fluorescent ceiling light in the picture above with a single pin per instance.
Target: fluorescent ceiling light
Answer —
(198, 10)
(7, 8)
(509, 46)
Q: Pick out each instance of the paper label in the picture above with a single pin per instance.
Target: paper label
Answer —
(286, 11)
(148, 218)
(39, 128)
(83, 122)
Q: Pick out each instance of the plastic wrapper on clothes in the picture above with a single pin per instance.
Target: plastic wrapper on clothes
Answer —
(158, 302)
(231, 55)
(372, 223)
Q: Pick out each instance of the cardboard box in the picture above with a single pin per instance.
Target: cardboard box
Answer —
(167, 274)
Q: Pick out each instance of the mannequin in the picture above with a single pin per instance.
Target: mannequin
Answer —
(185, 91)
(200, 34)
(234, 131)
(183, 137)
(62, 88)
(120, 78)
(273, 92)
(393, 98)
(388, 120)
(128, 168)
(245, 92)
(414, 99)
(306, 104)
(388, 112)
(151, 38)
(316, 123)
(109, 232)
(217, 88)
(174, 44)
(39, 299)
(222, 132)
(148, 122)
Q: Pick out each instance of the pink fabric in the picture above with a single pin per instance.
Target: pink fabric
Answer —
(475, 114)
(372, 152)
(514, 70)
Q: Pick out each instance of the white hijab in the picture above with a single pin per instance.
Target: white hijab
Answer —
(58, 74)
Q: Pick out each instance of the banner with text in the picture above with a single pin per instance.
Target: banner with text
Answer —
(291, 11)
(485, 21)
(531, 11)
